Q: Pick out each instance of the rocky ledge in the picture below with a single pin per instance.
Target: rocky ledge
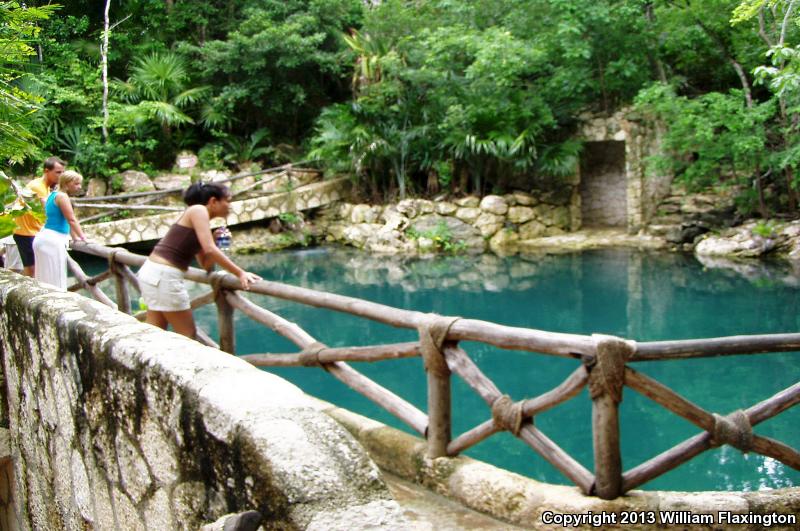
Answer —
(753, 239)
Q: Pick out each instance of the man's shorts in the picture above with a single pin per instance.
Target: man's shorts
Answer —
(163, 289)
(25, 248)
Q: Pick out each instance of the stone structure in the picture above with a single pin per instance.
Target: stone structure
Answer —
(525, 502)
(112, 424)
(420, 226)
(615, 189)
(149, 228)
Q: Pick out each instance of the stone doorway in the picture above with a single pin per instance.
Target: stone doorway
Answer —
(603, 186)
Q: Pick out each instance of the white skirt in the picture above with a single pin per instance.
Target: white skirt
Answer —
(50, 252)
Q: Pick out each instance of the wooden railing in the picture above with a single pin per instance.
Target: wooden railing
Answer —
(604, 368)
(144, 199)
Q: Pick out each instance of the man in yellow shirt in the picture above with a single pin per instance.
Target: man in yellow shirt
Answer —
(27, 224)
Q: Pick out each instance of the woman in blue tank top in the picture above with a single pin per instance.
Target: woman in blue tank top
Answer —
(50, 244)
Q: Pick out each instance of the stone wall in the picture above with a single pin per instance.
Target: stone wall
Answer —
(642, 139)
(113, 424)
(420, 226)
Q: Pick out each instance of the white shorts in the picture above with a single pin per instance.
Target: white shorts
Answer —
(162, 287)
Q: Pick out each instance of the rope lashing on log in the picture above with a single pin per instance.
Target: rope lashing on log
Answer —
(432, 334)
(112, 262)
(734, 429)
(507, 414)
(215, 279)
(309, 356)
(607, 369)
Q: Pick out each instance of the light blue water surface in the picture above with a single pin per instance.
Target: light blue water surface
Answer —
(641, 296)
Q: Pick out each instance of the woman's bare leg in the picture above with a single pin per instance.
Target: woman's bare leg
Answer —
(156, 319)
(182, 322)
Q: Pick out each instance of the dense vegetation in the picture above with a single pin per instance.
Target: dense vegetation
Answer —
(406, 96)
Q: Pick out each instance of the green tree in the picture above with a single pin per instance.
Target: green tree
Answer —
(18, 27)
(278, 65)
(158, 89)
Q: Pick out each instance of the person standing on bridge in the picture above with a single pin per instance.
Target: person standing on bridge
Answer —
(161, 276)
(50, 244)
(28, 225)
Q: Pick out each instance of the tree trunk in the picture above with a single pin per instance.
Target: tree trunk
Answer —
(655, 62)
(728, 57)
(104, 58)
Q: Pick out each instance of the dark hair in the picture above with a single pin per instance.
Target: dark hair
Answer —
(200, 193)
(51, 162)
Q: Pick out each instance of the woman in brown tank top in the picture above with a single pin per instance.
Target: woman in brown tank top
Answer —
(161, 276)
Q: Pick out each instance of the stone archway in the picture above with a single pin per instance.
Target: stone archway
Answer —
(603, 186)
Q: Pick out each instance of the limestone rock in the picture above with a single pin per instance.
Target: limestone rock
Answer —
(344, 211)
(96, 187)
(135, 181)
(468, 214)
(520, 214)
(524, 199)
(469, 201)
(560, 217)
(488, 224)
(736, 242)
(532, 229)
(459, 231)
(445, 208)
(381, 514)
(426, 245)
(365, 214)
(393, 219)
(215, 175)
(504, 242)
(171, 180)
(494, 204)
(412, 208)
(357, 235)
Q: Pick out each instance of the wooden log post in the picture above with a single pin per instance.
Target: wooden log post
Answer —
(227, 331)
(432, 334)
(120, 282)
(439, 412)
(606, 381)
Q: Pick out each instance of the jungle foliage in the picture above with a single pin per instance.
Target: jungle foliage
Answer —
(407, 96)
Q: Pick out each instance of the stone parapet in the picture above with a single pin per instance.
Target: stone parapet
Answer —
(113, 424)
(533, 504)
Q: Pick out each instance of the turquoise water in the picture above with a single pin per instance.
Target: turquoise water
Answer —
(640, 296)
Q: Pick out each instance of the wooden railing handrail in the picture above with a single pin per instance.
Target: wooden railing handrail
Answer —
(715, 346)
(508, 337)
(603, 369)
(167, 191)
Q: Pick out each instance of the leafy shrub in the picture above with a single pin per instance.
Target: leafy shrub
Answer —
(442, 238)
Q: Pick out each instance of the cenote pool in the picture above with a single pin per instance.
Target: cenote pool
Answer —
(642, 296)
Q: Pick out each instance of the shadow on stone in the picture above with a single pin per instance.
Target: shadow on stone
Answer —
(246, 521)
